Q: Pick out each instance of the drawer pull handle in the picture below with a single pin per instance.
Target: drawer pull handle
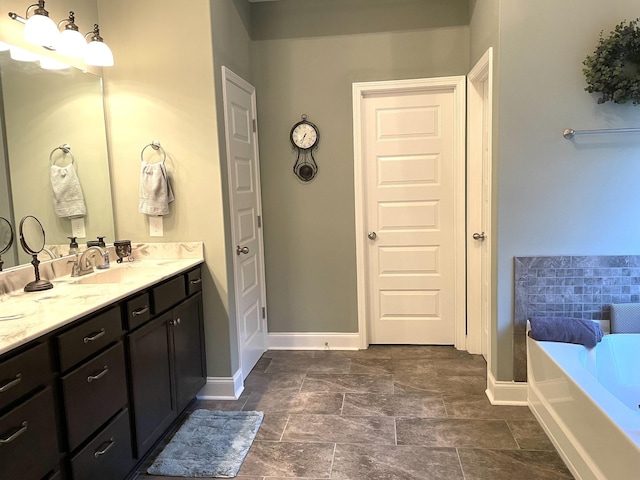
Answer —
(140, 311)
(94, 336)
(196, 281)
(108, 444)
(104, 371)
(11, 383)
(16, 434)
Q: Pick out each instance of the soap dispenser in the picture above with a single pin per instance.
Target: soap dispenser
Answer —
(73, 245)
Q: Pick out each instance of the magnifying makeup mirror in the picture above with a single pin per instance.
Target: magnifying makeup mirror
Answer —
(32, 241)
(6, 238)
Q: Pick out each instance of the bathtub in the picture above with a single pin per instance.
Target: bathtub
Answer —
(588, 403)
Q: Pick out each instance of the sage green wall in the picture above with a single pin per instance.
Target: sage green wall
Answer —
(484, 24)
(559, 197)
(231, 48)
(322, 18)
(309, 228)
(162, 87)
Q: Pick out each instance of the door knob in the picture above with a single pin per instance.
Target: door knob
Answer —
(479, 236)
(372, 235)
(240, 250)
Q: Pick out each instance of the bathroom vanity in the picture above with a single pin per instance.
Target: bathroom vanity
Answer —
(94, 371)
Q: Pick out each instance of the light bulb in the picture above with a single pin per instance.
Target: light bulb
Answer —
(71, 43)
(41, 30)
(98, 54)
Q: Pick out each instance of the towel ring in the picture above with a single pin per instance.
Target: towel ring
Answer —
(65, 149)
(156, 146)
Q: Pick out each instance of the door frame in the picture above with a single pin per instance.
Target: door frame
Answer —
(361, 91)
(480, 112)
(228, 75)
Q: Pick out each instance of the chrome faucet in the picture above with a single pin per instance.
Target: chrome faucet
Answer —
(82, 264)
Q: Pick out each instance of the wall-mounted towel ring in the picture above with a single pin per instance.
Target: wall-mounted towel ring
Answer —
(65, 149)
(156, 146)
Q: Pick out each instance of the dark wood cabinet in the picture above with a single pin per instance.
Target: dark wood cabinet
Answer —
(151, 381)
(188, 350)
(28, 439)
(167, 360)
(90, 399)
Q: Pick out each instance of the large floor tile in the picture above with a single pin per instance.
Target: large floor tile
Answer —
(371, 366)
(394, 405)
(431, 351)
(265, 382)
(413, 366)
(530, 435)
(288, 459)
(288, 401)
(348, 383)
(479, 406)
(376, 462)
(452, 432)
(453, 385)
(508, 464)
(272, 426)
(339, 429)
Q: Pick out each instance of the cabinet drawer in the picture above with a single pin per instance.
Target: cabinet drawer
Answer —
(89, 337)
(93, 393)
(28, 439)
(108, 456)
(168, 294)
(138, 311)
(194, 281)
(24, 373)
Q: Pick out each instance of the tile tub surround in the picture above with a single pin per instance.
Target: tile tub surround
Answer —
(569, 286)
(43, 312)
(356, 415)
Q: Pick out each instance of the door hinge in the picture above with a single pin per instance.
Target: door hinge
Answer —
(259, 221)
(255, 126)
(264, 312)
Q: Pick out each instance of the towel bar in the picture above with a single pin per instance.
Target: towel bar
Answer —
(569, 133)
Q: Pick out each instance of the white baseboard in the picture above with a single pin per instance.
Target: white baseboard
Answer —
(222, 388)
(506, 393)
(314, 341)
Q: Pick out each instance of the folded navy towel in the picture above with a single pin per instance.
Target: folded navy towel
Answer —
(567, 330)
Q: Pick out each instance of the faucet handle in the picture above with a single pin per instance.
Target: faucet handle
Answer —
(75, 270)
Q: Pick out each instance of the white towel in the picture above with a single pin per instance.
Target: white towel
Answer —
(155, 189)
(68, 200)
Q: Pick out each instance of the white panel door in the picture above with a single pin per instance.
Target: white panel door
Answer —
(408, 149)
(244, 192)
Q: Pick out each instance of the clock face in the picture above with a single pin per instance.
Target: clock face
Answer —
(304, 136)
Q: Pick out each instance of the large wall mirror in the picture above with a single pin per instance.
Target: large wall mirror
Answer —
(40, 111)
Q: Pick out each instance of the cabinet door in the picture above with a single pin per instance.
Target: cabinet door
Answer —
(188, 342)
(28, 439)
(151, 386)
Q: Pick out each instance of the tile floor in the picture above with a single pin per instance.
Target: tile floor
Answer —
(385, 413)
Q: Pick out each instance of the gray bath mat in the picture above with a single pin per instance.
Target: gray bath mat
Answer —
(208, 444)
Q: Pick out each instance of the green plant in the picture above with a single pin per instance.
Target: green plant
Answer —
(613, 70)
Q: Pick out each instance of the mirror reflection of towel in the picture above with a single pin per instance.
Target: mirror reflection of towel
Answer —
(155, 189)
(68, 200)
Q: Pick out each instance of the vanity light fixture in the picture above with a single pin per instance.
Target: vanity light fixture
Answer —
(39, 29)
(97, 53)
(71, 42)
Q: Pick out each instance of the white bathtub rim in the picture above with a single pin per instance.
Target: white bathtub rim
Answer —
(619, 413)
(576, 456)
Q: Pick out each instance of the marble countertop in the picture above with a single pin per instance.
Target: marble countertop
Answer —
(27, 316)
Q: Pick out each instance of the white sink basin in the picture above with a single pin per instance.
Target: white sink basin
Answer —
(115, 275)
